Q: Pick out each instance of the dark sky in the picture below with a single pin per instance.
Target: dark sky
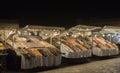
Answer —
(55, 11)
(60, 9)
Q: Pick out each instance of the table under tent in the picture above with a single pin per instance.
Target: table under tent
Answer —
(90, 35)
(27, 52)
(40, 35)
(70, 47)
(112, 34)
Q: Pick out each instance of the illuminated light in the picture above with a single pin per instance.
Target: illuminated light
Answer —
(19, 32)
(79, 33)
(112, 35)
(29, 33)
(95, 35)
(103, 35)
(36, 33)
(108, 35)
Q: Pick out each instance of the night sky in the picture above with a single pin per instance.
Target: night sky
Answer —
(58, 13)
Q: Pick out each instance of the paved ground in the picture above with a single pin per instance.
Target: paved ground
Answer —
(111, 65)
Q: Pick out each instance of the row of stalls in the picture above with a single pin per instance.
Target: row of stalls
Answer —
(77, 42)
(80, 41)
(43, 46)
(91, 36)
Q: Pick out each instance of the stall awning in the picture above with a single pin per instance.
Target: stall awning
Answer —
(85, 28)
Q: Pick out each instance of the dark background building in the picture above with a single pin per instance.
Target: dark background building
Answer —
(61, 13)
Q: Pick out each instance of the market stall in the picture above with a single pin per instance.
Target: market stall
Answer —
(71, 47)
(33, 51)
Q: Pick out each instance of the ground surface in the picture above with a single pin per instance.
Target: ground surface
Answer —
(109, 65)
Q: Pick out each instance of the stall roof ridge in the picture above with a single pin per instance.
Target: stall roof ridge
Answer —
(85, 28)
(111, 27)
